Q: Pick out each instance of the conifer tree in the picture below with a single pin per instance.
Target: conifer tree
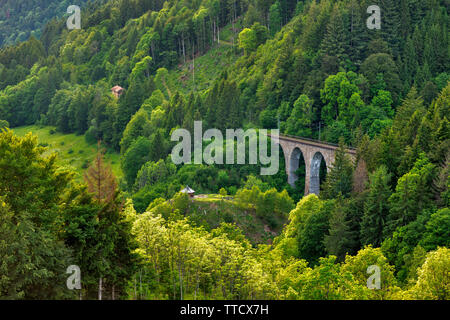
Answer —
(409, 60)
(412, 195)
(100, 178)
(376, 208)
(335, 42)
(359, 37)
(390, 26)
(405, 18)
(275, 19)
(337, 242)
(113, 244)
(340, 178)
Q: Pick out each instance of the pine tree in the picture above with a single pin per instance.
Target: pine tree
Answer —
(338, 240)
(100, 179)
(390, 25)
(113, 243)
(412, 195)
(224, 104)
(335, 42)
(158, 147)
(340, 178)
(360, 176)
(210, 105)
(376, 208)
(442, 182)
(403, 126)
(129, 104)
(275, 19)
(405, 18)
(409, 60)
(422, 76)
(359, 37)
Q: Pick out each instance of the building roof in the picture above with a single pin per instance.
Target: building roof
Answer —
(187, 190)
(116, 88)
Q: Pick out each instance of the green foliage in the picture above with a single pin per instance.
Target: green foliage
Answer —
(61, 144)
(4, 124)
(300, 120)
(29, 18)
(433, 281)
(36, 248)
(223, 192)
(134, 158)
(275, 18)
(267, 204)
(380, 67)
(339, 180)
(437, 230)
(324, 282)
(357, 266)
(376, 208)
(410, 196)
(338, 241)
(310, 68)
(312, 233)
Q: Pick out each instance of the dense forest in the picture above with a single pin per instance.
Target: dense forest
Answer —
(308, 68)
(21, 19)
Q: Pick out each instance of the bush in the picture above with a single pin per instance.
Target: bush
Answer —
(4, 124)
(232, 190)
(91, 136)
(228, 217)
(85, 164)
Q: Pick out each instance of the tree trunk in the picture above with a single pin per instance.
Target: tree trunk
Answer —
(140, 284)
(184, 50)
(100, 289)
(135, 295)
(181, 283)
(218, 33)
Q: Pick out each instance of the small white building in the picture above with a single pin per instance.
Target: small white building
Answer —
(189, 191)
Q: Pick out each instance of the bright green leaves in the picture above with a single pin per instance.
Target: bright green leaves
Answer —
(247, 40)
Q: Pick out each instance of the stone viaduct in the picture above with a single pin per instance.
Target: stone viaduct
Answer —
(313, 151)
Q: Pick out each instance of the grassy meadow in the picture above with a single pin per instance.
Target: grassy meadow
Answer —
(73, 150)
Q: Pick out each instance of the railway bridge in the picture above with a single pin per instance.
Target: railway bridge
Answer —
(313, 152)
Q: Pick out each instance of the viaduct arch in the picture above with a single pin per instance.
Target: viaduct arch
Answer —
(313, 151)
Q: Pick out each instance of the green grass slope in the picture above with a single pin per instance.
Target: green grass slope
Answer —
(72, 150)
(208, 67)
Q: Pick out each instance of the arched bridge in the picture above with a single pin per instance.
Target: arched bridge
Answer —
(313, 151)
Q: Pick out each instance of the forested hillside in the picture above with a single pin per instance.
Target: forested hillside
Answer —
(310, 68)
(21, 19)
